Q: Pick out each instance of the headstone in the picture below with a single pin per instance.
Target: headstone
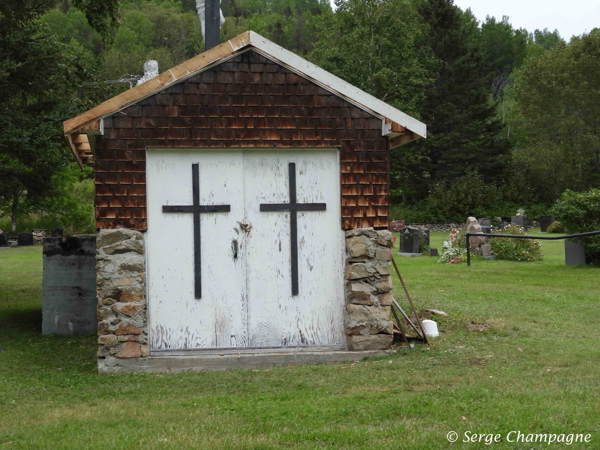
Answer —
(486, 249)
(25, 239)
(410, 240)
(474, 227)
(520, 220)
(57, 232)
(486, 229)
(574, 253)
(433, 252)
(545, 222)
(485, 222)
(3, 240)
(396, 225)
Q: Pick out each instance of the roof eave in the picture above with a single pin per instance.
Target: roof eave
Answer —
(393, 120)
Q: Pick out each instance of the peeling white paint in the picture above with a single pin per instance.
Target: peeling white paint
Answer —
(246, 301)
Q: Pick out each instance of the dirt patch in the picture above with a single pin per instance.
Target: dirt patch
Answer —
(477, 326)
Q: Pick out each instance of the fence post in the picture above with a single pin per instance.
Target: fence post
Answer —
(468, 251)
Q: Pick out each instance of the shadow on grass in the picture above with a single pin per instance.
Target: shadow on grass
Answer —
(22, 319)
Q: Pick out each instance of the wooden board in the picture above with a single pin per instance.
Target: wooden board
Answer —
(177, 319)
(246, 301)
(315, 315)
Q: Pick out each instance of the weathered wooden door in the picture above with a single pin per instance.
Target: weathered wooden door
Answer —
(245, 254)
(276, 316)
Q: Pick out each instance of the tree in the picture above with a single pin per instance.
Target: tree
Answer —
(558, 93)
(101, 15)
(35, 80)
(541, 41)
(461, 119)
(289, 23)
(377, 46)
(503, 50)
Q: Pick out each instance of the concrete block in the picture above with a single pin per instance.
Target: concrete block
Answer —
(574, 253)
(69, 286)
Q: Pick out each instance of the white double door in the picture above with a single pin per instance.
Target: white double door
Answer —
(245, 253)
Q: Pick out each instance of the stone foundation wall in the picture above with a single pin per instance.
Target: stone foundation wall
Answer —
(437, 226)
(368, 289)
(38, 236)
(121, 297)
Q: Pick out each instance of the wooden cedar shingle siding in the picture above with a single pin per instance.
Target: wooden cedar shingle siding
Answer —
(248, 101)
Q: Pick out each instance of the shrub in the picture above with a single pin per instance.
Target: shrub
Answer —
(579, 212)
(514, 249)
(556, 227)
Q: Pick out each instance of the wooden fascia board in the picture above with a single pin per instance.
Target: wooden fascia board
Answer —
(164, 80)
(402, 139)
(74, 150)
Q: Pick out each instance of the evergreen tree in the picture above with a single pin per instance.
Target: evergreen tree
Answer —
(461, 119)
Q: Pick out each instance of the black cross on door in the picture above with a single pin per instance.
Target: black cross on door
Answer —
(196, 209)
(293, 208)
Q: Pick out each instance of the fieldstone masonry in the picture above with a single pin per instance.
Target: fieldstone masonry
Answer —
(368, 289)
(121, 297)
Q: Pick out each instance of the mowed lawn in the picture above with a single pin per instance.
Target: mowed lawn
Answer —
(536, 369)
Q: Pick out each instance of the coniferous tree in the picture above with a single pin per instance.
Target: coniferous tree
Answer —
(461, 119)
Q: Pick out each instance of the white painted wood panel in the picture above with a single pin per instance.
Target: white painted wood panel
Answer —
(315, 316)
(177, 319)
(246, 302)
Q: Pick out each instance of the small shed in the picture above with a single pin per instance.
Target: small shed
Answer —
(242, 209)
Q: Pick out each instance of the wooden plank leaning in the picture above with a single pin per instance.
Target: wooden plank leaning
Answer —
(423, 335)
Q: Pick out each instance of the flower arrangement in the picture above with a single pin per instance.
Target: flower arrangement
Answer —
(453, 252)
(520, 212)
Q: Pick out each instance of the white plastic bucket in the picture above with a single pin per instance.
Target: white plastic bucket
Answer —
(430, 328)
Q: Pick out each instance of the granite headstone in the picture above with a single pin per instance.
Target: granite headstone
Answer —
(25, 239)
(574, 253)
(520, 220)
(396, 225)
(410, 240)
(545, 222)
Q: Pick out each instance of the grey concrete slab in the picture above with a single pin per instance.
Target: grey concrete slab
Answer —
(230, 361)
(69, 286)
(574, 253)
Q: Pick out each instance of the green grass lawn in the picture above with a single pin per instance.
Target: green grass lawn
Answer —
(535, 369)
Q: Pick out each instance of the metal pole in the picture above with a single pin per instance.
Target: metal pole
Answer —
(468, 250)
(520, 236)
(212, 24)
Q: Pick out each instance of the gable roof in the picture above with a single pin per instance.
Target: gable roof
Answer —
(396, 124)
